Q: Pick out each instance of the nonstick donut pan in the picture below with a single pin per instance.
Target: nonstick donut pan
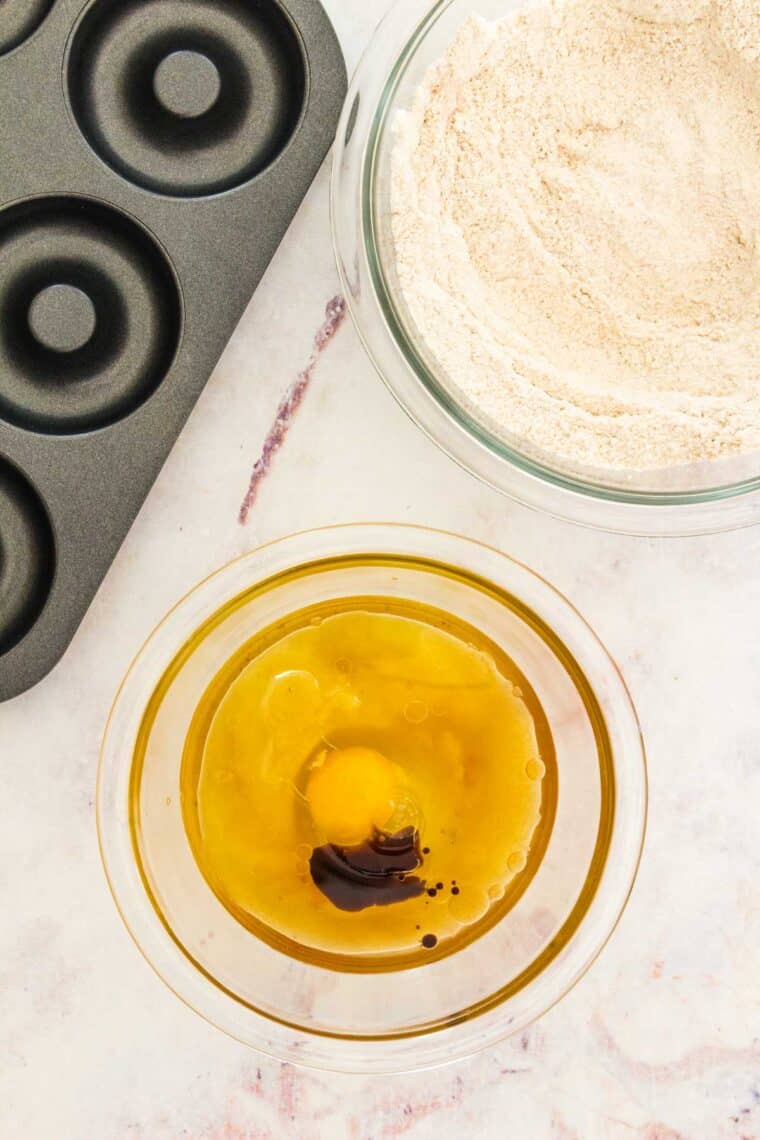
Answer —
(152, 155)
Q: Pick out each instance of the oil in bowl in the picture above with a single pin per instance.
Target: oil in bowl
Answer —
(369, 784)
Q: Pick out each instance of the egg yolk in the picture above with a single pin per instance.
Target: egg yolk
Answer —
(350, 794)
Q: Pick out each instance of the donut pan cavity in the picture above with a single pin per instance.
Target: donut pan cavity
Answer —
(152, 155)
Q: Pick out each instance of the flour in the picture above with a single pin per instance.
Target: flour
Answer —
(575, 201)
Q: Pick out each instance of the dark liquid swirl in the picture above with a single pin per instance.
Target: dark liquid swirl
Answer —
(376, 873)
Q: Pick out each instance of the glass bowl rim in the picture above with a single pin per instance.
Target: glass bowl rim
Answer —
(360, 1055)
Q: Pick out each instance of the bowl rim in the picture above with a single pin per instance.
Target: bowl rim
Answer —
(363, 1054)
(420, 393)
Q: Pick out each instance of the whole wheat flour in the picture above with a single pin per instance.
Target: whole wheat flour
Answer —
(575, 203)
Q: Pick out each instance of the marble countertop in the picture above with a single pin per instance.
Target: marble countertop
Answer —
(660, 1041)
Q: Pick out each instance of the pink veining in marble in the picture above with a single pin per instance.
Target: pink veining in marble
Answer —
(335, 315)
(290, 1091)
(400, 1115)
(560, 1130)
(231, 1131)
(255, 1083)
(693, 1064)
(543, 921)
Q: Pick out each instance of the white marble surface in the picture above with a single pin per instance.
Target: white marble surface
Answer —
(659, 1042)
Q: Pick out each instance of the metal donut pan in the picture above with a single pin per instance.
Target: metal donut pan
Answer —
(152, 156)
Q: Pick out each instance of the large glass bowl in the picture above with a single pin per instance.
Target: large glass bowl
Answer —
(700, 498)
(408, 1018)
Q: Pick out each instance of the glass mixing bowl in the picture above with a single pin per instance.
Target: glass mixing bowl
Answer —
(440, 1010)
(701, 498)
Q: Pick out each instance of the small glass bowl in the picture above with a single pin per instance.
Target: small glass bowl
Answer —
(440, 1010)
(696, 499)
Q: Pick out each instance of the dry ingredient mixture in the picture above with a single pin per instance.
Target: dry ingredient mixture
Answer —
(576, 218)
(369, 783)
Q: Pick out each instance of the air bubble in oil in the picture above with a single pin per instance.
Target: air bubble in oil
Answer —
(416, 712)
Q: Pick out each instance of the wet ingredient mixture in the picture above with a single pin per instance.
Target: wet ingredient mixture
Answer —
(576, 220)
(369, 785)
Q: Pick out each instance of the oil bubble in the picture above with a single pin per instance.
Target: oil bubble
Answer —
(535, 770)
(416, 712)
(516, 861)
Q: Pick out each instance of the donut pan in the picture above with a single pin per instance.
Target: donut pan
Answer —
(152, 155)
